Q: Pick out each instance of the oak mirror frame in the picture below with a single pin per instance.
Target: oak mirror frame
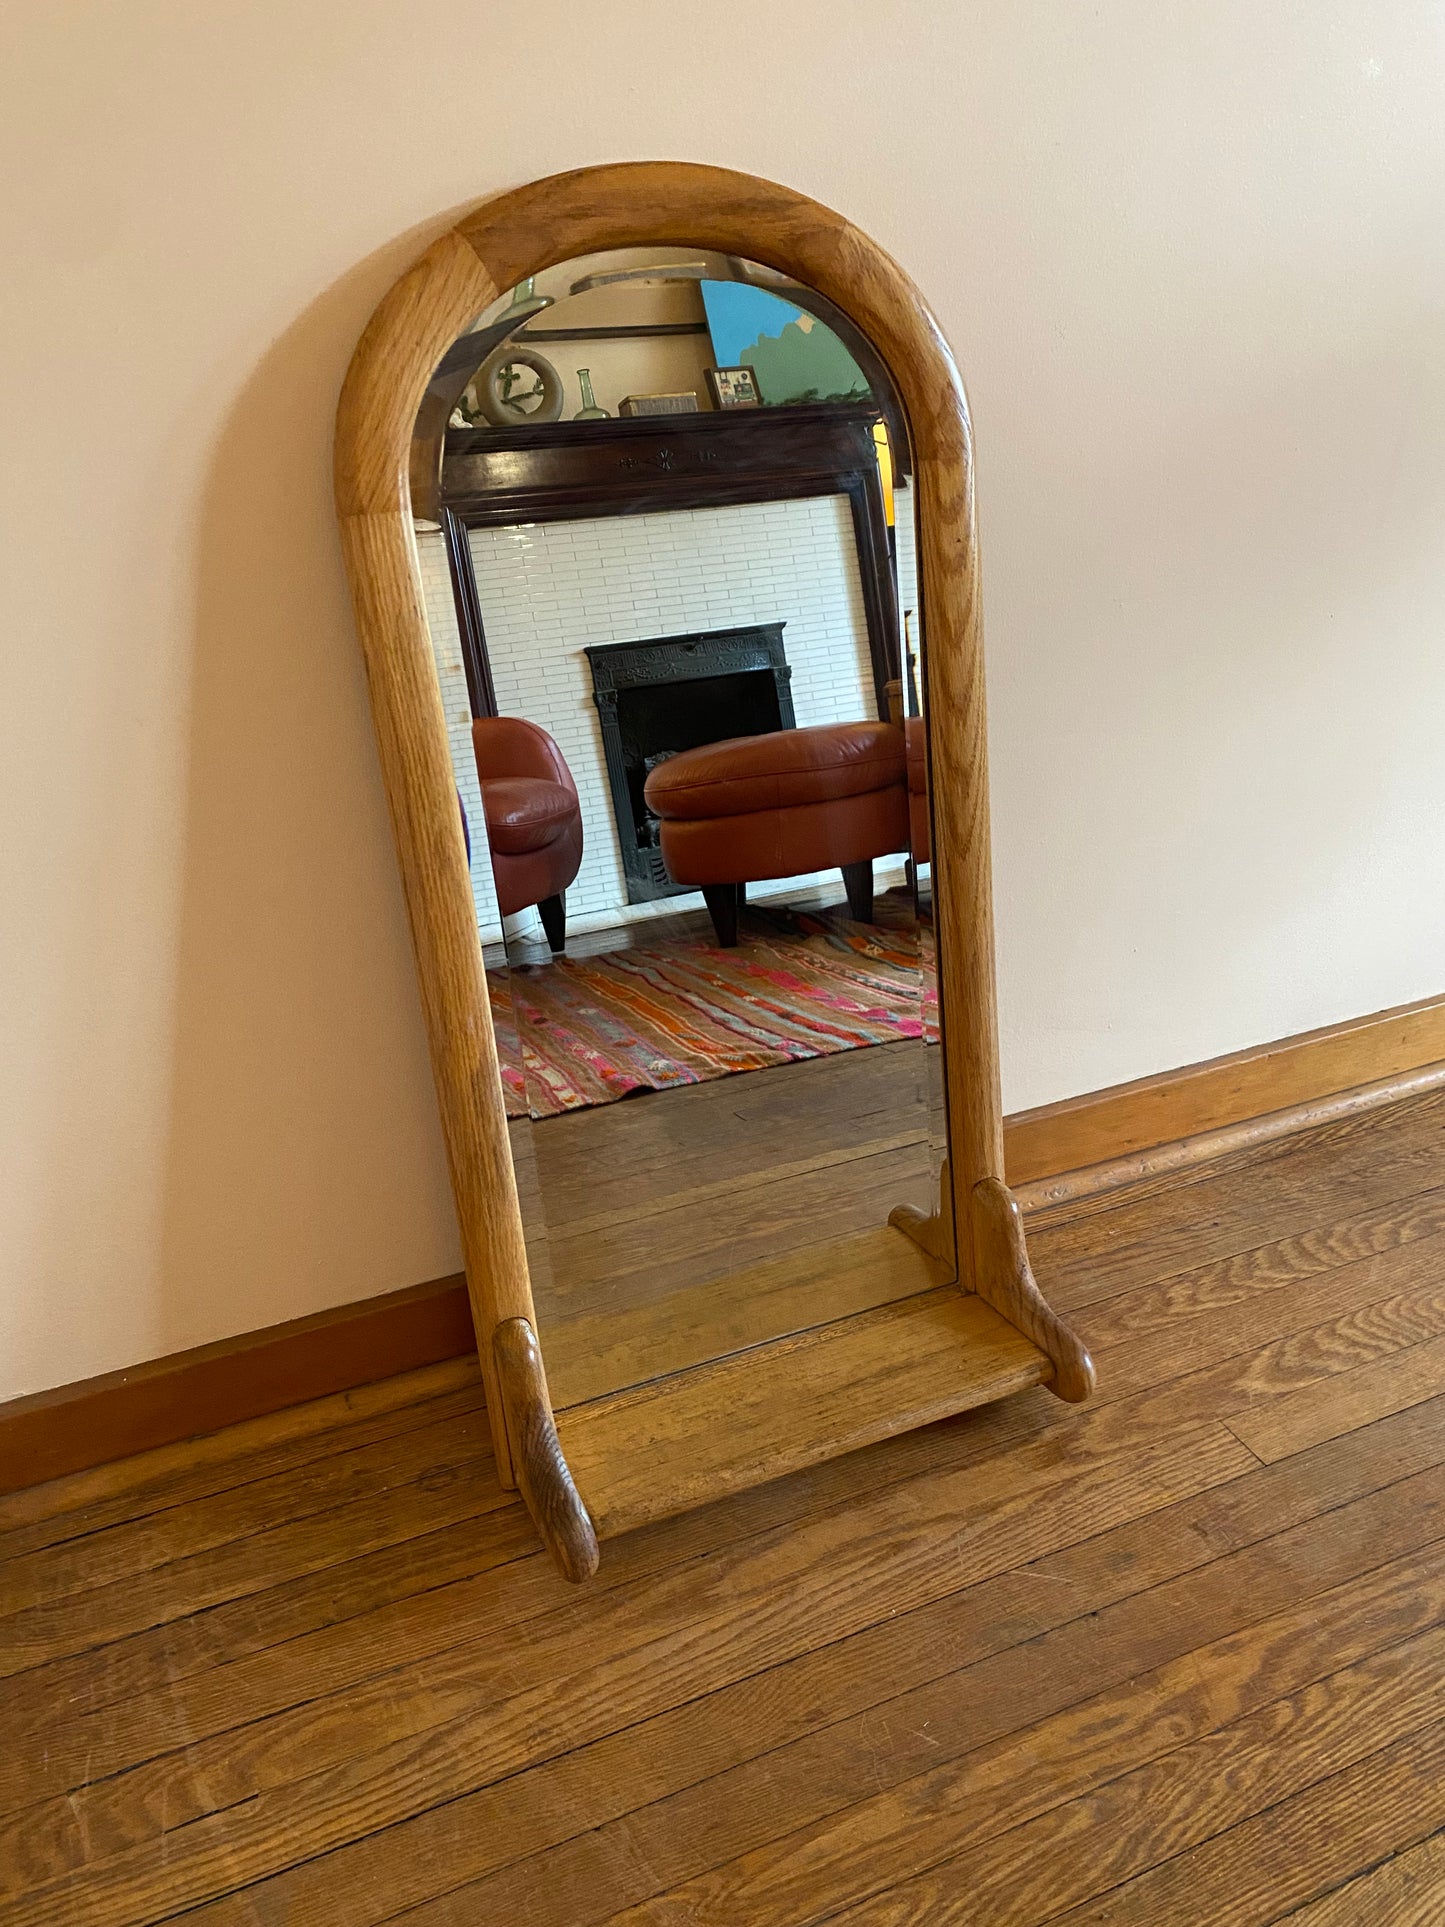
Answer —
(976, 1327)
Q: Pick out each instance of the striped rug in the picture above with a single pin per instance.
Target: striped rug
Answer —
(582, 1031)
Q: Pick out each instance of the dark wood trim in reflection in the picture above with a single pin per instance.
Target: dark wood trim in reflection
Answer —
(644, 332)
(475, 659)
(493, 478)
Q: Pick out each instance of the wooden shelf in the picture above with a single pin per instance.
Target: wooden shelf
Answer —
(699, 1435)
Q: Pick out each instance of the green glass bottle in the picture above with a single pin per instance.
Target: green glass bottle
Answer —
(589, 411)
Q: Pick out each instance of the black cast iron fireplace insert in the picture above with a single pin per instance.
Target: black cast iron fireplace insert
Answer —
(670, 693)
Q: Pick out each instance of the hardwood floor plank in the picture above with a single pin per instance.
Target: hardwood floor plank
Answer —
(1246, 1380)
(462, 1596)
(1396, 1301)
(1291, 1263)
(1106, 1434)
(598, 1259)
(1229, 1387)
(1065, 1828)
(1169, 1224)
(1114, 1855)
(1029, 1660)
(648, 1153)
(61, 1696)
(79, 1621)
(1342, 1148)
(590, 1356)
(1323, 1411)
(171, 1476)
(135, 1547)
(1236, 1384)
(425, 1595)
(1407, 1890)
(1226, 1330)
(204, 1464)
(1293, 1852)
(378, 1754)
(724, 1427)
(645, 1262)
(990, 1677)
(889, 1139)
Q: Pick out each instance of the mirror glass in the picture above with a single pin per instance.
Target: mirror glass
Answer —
(666, 528)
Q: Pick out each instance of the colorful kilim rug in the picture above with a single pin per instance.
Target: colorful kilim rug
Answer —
(582, 1031)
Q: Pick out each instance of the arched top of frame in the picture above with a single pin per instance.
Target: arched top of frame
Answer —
(635, 204)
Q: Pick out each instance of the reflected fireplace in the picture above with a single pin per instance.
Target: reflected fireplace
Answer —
(671, 693)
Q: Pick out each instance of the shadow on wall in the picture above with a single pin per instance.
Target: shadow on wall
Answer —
(306, 1166)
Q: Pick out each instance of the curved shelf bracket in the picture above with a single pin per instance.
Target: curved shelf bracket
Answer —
(552, 1499)
(931, 1231)
(1004, 1279)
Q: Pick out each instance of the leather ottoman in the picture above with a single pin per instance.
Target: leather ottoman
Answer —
(780, 805)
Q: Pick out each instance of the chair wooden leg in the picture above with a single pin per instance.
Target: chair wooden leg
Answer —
(858, 882)
(553, 912)
(722, 906)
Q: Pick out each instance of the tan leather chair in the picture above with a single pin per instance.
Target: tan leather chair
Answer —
(782, 805)
(534, 820)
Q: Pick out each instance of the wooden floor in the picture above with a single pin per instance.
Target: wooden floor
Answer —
(642, 1215)
(1173, 1657)
(639, 1214)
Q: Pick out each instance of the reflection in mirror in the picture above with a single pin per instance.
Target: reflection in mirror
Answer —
(667, 539)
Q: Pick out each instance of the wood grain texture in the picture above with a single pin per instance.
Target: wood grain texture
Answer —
(1062, 1812)
(1207, 1147)
(493, 248)
(1407, 1890)
(542, 1474)
(1036, 1662)
(150, 1407)
(1377, 1160)
(1005, 1280)
(1291, 1075)
(1295, 1850)
(124, 1413)
(415, 323)
(932, 1231)
(1318, 1412)
(593, 1355)
(698, 1436)
(1279, 1353)
(794, 1803)
(380, 549)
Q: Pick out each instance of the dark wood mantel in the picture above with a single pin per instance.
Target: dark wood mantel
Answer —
(568, 470)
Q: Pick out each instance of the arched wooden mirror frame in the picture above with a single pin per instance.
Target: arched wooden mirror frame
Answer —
(489, 251)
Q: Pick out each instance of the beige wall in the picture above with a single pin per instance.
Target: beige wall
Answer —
(1191, 258)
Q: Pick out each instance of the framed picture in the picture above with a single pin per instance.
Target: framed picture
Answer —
(734, 387)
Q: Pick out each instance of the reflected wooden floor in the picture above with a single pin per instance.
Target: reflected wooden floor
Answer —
(1170, 1658)
(649, 1210)
(647, 1217)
